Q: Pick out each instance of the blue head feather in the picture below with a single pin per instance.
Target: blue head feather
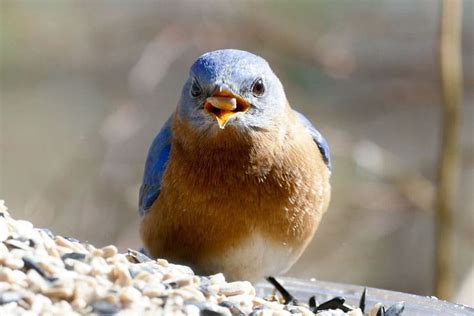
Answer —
(228, 66)
(236, 70)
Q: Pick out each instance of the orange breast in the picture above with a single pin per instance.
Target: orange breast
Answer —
(220, 188)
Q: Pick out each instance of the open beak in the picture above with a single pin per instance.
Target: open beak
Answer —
(223, 105)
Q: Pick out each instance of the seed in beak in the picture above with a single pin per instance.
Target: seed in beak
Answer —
(223, 103)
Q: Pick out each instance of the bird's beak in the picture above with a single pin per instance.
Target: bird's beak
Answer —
(224, 104)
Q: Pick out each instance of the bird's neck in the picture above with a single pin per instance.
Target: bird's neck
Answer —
(229, 147)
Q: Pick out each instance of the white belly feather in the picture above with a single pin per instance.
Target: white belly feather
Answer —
(256, 256)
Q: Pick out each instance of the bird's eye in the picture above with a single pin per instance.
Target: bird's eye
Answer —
(196, 89)
(258, 88)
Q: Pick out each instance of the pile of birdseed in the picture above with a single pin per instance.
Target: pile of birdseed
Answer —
(43, 274)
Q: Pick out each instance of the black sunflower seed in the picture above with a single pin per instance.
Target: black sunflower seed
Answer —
(74, 255)
(137, 257)
(381, 311)
(104, 308)
(312, 302)
(362, 300)
(289, 299)
(334, 303)
(31, 264)
(396, 309)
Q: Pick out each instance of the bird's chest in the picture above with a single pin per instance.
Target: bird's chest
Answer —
(222, 199)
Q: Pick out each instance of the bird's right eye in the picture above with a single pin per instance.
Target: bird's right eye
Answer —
(196, 89)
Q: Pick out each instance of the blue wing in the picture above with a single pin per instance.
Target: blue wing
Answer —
(318, 139)
(155, 166)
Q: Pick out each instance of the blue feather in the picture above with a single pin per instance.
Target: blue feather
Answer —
(318, 139)
(155, 167)
(227, 63)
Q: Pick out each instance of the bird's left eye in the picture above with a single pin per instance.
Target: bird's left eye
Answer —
(196, 89)
(258, 88)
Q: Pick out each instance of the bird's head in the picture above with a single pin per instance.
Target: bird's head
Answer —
(231, 89)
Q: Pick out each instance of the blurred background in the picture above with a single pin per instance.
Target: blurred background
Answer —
(86, 85)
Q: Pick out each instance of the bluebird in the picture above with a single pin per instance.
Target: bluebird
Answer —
(236, 181)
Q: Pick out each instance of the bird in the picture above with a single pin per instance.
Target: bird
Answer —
(236, 181)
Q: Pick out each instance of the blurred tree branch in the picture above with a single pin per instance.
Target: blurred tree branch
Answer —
(451, 84)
